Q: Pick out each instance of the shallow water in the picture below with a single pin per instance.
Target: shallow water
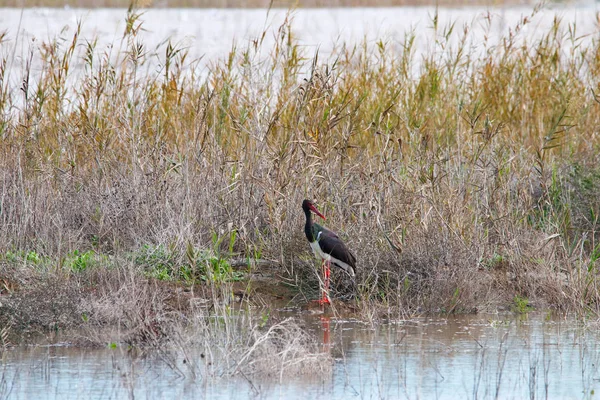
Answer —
(459, 357)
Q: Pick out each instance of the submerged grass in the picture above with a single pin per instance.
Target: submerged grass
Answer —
(462, 180)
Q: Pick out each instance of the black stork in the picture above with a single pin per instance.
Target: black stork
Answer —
(328, 246)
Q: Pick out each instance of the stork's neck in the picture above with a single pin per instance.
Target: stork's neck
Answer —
(308, 231)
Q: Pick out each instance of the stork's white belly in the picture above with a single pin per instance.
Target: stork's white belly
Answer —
(318, 252)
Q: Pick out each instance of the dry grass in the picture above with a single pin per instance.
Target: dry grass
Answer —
(459, 186)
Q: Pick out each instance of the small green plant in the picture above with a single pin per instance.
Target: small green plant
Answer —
(10, 256)
(455, 300)
(521, 305)
(405, 285)
(30, 257)
(219, 270)
(187, 273)
(156, 261)
(80, 261)
(161, 263)
(495, 261)
(33, 257)
(264, 318)
(161, 273)
(95, 241)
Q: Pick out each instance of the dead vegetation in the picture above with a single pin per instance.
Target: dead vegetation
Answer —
(460, 187)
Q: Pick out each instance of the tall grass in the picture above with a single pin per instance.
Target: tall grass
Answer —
(460, 179)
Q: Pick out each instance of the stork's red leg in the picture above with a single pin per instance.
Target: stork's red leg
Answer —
(324, 296)
(327, 273)
(323, 288)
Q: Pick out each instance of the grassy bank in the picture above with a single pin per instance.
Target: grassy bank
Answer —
(466, 183)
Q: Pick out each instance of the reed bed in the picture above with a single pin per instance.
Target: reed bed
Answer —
(464, 181)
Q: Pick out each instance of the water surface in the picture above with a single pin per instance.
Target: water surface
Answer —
(209, 34)
(445, 358)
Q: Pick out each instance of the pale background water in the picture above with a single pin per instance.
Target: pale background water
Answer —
(463, 357)
(210, 33)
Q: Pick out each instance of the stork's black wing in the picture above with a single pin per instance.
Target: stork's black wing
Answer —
(331, 244)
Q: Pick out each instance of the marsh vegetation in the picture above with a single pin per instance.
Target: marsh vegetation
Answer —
(141, 193)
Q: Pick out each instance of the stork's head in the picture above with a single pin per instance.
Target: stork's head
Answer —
(308, 206)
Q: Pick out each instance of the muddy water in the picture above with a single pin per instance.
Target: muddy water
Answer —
(459, 357)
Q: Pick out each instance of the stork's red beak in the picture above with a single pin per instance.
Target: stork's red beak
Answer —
(314, 209)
